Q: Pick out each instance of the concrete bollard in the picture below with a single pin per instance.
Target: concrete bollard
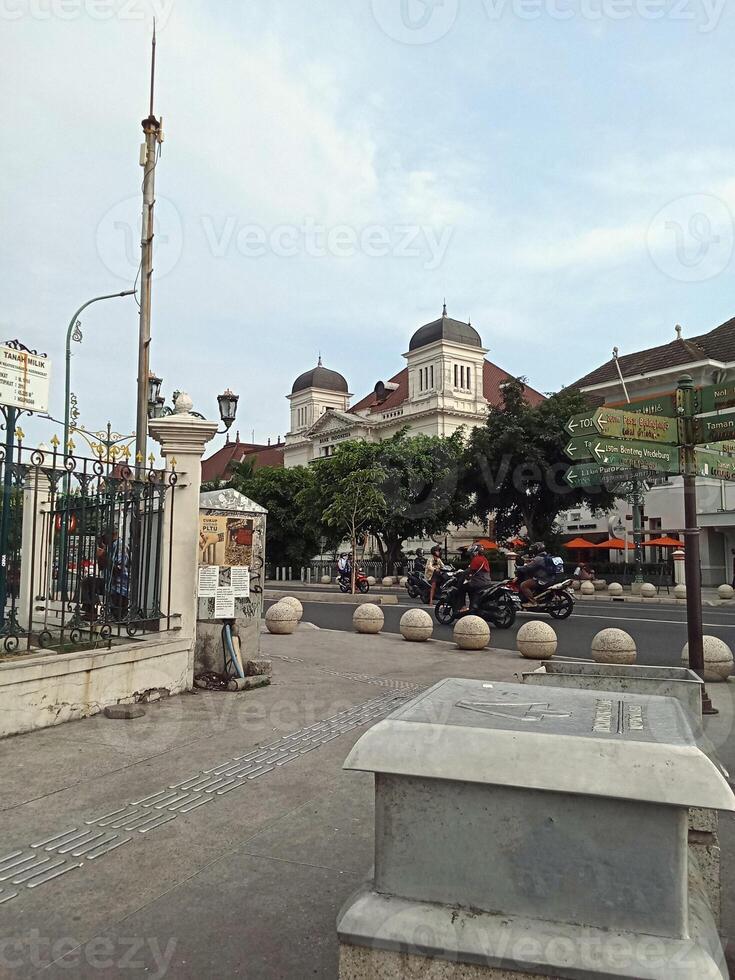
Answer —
(718, 660)
(295, 605)
(536, 640)
(416, 625)
(648, 591)
(613, 646)
(471, 633)
(281, 619)
(368, 618)
(615, 589)
(726, 592)
(586, 589)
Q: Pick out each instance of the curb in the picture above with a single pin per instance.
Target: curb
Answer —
(660, 600)
(337, 597)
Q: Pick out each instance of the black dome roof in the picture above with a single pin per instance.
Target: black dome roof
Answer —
(445, 328)
(320, 377)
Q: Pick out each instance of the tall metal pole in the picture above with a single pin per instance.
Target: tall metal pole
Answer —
(11, 417)
(153, 137)
(685, 407)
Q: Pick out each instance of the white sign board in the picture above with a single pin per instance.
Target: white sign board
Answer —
(24, 379)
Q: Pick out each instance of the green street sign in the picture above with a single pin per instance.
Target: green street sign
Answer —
(718, 428)
(715, 397)
(597, 475)
(714, 464)
(657, 405)
(637, 455)
(580, 425)
(634, 425)
(581, 447)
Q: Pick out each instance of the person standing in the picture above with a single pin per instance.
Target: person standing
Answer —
(434, 567)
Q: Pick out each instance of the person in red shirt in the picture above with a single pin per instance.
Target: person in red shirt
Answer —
(478, 574)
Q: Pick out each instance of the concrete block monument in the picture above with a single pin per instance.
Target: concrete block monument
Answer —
(537, 835)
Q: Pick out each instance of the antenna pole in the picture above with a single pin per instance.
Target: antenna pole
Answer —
(149, 155)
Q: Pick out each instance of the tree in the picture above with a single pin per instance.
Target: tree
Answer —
(294, 535)
(356, 503)
(515, 464)
(420, 483)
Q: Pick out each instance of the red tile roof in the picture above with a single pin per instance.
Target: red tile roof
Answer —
(221, 463)
(717, 345)
(492, 377)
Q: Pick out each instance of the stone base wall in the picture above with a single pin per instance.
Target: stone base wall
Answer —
(40, 691)
(362, 963)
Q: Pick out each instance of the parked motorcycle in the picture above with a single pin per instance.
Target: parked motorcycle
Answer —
(495, 604)
(557, 600)
(361, 583)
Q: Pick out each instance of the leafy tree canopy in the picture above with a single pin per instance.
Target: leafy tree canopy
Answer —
(515, 464)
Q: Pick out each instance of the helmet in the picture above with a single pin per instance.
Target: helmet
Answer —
(419, 552)
(474, 549)
(537, 548)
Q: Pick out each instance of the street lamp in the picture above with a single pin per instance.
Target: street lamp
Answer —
(74, 332)
(157, 407)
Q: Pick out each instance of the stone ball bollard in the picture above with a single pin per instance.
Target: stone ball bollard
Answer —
(291, 600)
(536, 640)
(680, 591)
(599, 584)
(615, 588)
(387, 580)
(726, 592)
(368, 618)
(648, 590)
(371, 580)
(281, 619)
(403, 581)
(613, 646)
(471, 633)
(326, 579)
(416, 625)
(717, 659)
(587, 588)
(576, 584)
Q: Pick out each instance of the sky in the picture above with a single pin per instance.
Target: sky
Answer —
(562, 171)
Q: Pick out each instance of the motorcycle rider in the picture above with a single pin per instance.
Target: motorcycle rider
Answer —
(419, 565)
(433, 571)
(477, 577)
(344, 566)
(535, 575)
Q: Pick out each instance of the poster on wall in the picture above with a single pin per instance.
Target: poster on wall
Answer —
(208, 581)
(225, 557)
(240, 579)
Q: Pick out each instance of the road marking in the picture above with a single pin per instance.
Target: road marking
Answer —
(674, 622)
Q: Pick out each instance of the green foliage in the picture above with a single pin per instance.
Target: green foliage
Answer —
(515, 464)
(293, 535)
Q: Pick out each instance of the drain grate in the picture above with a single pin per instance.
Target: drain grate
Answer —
(105, 833)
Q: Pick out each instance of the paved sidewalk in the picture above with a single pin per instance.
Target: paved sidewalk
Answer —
(248, 884)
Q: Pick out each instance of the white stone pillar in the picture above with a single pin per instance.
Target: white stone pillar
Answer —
(511, 557)
(679, 568)
(182, 437)
(34, 551)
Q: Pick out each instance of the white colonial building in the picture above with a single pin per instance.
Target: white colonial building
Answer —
(447, 383)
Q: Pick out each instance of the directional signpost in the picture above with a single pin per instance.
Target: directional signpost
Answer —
(638, 455)
(715, 465)
(716, 428)
(714, 398)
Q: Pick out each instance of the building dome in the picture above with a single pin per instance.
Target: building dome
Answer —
(445, 328)
(320, 377)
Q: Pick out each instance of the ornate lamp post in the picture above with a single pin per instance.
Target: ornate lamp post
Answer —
(157, 407)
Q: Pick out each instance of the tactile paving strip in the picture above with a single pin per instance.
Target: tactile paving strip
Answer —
(48, 859)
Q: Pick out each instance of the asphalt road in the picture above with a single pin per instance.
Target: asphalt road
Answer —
(659, 631)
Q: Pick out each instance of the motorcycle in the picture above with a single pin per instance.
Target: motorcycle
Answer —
(418, 587)
(361, 583)
(557, 600)
(495, 604)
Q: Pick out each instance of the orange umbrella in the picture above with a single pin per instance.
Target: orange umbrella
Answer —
(577, 544)
(516, 542)
(487, 544)
(664, 542)
(614, 544)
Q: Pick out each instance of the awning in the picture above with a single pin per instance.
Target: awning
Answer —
(614, 544)
(664, 542)
(578, 544)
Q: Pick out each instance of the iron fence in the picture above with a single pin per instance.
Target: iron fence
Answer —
(86, 557)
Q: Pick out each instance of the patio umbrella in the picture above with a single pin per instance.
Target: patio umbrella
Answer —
(614, 544)
(578, 544)
(516, 543)
(664, 542)
(487, 544)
